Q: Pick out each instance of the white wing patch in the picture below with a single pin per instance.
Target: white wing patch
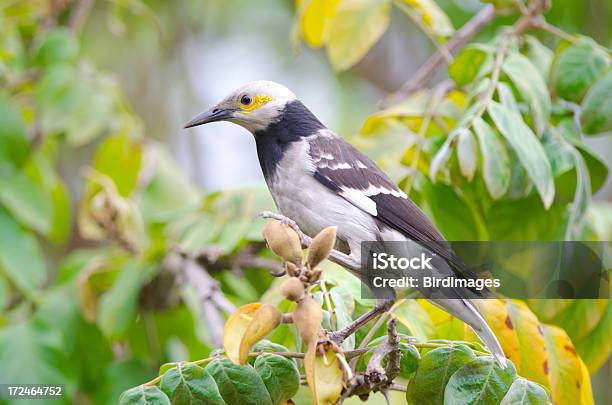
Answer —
(361, 200)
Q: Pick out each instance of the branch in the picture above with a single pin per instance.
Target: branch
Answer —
(211, 299)
(424, 74)
(341, 335)
(376, 377)
(79, 15)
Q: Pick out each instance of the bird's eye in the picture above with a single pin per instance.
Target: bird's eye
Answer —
(245, 100)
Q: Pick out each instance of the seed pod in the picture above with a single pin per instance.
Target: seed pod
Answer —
(284, 242)
(307, 318)
(324, 373)
(292, 269)
(321, 246)
(292, 289)
(315, 275)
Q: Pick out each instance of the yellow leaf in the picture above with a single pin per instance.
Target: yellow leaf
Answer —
(431, 16)
(586, 392)
(496, 315)
(445, 326)
(247, 325)
(265, 320)
(355, 27)
(314, 16)
(534, 360)
(564, 367)
(324, 373)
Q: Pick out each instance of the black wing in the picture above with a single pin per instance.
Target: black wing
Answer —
(343, 169)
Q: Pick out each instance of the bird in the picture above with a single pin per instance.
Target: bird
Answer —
(318, 179)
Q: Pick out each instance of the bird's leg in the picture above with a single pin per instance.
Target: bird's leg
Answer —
(380, 308)
(335, 256)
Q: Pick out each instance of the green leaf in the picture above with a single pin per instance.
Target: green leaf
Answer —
(467, 64)
(56, 47)
(4, 292)
(119, 157)
(525, 392)
(506, 97)
(409, 362)
(596, 113)
(450, 212)
(118, 305)
(582, 198)
(342, 314)
(467, 154)
(496, 163)
(443, 154)
(540, 55)
(598, 170)
(531, 86)
(355, 27)
(576, 67)
(280, 375)
(436, 368)
(239, 384)
(190, 384)
(14, 145)
(77, 102)
(596, 347)
(141, 395)
(31, 354)
(20, 257)
(25, 200)
(481, 381)
(527, 147)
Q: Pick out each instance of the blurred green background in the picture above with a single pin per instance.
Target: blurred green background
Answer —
(89, 294)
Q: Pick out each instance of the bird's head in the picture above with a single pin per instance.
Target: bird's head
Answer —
(253, 106)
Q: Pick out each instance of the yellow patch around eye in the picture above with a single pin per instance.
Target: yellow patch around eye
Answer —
(257, 102)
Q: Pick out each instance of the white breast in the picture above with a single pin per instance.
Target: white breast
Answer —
(299, 196)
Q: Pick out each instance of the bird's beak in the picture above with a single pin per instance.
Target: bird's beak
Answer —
(212, 115)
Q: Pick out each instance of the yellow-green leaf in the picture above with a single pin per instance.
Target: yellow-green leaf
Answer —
(431, 16)
(534, 360)
(564, 367)
(496, 315)
(353, 30)
(314, 16)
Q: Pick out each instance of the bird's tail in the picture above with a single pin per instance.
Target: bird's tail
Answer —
(465, 310)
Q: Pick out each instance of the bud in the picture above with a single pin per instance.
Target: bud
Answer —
(292, 289)
(321, 246)
(307, 318)
(284, 242)
(292, 269)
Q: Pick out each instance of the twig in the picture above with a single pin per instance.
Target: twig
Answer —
(526, 21)
(438, 95)
(426, 72)
(212, 301)
(541, 23)
(79, 15)
(341, 335)
(376, 377)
